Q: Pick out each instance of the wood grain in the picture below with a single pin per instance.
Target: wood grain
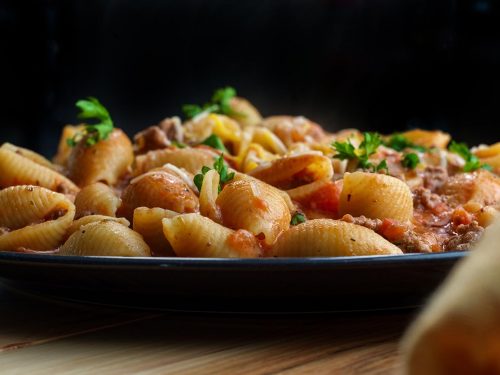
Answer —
(66, 338)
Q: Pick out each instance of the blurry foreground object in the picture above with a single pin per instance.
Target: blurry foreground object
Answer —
(459, 332)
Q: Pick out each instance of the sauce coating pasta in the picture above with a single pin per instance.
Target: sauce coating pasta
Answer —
(226, 182)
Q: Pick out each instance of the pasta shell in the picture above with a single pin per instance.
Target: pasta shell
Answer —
(33, 217)
(19, 170)
(318, 199)
(106, 161)
(193, 235)
(147, 222)
(269, 141)
(64, 150)
(201, 127)
(190, 159)
(244, 112)
(487, 151)
(31, 155)
(292, 171)
(481, 187)
(326, 238)
(158, 188)
(428, 138)
(105, 238)
(294, 129)
(208, 196)
(96, 199)
(255, 207)
(376, 196)
(94, 219)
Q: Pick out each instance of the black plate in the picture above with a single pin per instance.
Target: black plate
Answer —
(236, 285)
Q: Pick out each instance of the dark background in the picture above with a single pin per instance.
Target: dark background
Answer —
(374, 64)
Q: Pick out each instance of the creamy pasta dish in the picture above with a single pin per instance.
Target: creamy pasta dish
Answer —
(226, 182)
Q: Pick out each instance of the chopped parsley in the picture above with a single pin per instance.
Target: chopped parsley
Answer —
(178, 144)
(370, 144)
(399, 142)
(91, 108)
(472, 162)
(220, 103)
(410, 160)
(221, 167)
(215, 142)
(297, 218)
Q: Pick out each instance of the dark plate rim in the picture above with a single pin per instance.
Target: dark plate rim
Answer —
(229, 263)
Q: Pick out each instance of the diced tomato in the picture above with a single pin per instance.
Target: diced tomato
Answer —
(392, 230)
(325, 199)
(460, 216)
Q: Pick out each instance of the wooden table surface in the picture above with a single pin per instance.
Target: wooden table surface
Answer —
(39, 336)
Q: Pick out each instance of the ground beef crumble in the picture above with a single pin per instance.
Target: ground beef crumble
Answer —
(434, 178)
(424, 198)
(373, 224)
(158, 136)
(465, 237)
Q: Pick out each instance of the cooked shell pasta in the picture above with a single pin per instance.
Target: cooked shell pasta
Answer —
(33, 156)
(105, 238)
(190, 159)
(326, 238)
(158, 188)
(295, 170)
(244, 112)
(107, 161)
(428, 138)
(64, 150)
(19, 170)
(94, 219)
(256, 207)
(33, 217)
(208, 197)
(376, 196)
(147, 222)
(96, 199)
(193, 235)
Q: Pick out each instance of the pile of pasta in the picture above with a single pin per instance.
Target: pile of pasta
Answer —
(238, 185)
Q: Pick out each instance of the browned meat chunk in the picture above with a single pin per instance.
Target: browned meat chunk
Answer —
(424, 198)
(158, 136)
(466, 236)
(373, 224)
(434, 178)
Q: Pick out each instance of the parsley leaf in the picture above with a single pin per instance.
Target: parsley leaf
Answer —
(369, 145)
(91, 108)
(472, 162)
(221, 167)
(410, 160)
(399, 142)
(345, 150)
(382, 166)
(215, 142)
(220, 103)
(178, 144)
(297, 218)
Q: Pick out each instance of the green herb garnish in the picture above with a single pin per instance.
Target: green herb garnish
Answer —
(297, 218)
(215, 142)
(382, 166)
(91, 108)
(410, 161)
(221, 167)
(370, 144)
(472, 162)
(399, 142)
(220, 103)
(178, 144)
